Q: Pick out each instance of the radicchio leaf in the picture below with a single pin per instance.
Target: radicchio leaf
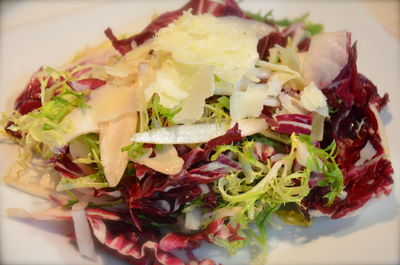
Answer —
(160, 196)
(294, 31)
(353, 126)
(86, 84)
(268, 42)
(123, 240)
(29, 99)
(293, 123)
(230, 136)
(215, 229)
(64, 165)
(194, 156)
(142, 247)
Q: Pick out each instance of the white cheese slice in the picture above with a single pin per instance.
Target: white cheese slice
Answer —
(130, 62)
(81, 149)
(313, 99)
(165, 161)
(326, 57)
(80, 122)
(290, 105)
(280, 72)
(229, 44)
(274, 87)
(169, 84)
(251, 126)
(201, 86)
(223, 88)
(114, 135)
(106, 103)
(248, 103)
(182, 86)
(289, 57)
(110, 101)
(272, 102)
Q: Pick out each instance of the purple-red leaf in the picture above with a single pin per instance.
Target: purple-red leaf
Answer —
(86, 84)
(354, 126)
(230, 136)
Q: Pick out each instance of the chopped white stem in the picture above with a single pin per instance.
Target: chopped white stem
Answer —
(82, 231)
(197, 133)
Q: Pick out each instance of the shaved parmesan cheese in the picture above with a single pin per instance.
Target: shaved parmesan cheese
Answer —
(109, 101)
(284, 77)
(114, 135)
(276, 67)
(289, 57)
(201, 86)
(273, 87)
(182, 86)
(251, 126)
(80, 121)
(80, 149)
(317, 127)
(229, 44)
(168, 85)
(279, 71)
(313, 100)
(223, 88)
(106, 103)
(166, 161)
(248, 103)
(272, 102)
(326, 57)
(290, 105)
(130, 62)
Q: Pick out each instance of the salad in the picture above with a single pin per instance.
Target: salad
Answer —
(199, 129)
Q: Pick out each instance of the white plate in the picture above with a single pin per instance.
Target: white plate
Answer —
(36, 33)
